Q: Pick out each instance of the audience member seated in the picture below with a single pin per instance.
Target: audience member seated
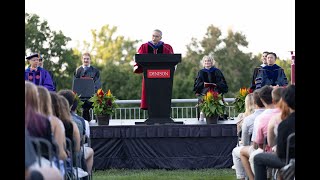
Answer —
(285, 128)
(249, 109)
(247, 151)
(88, 151)
(56, 124)
(247, 128)
(37, 124)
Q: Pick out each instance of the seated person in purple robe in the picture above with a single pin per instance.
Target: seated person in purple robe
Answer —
(38, 75)
(40, 64)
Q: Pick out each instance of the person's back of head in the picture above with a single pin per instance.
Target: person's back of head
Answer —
(44, 101)
(64, 109)
(289, 96)
(265, 94)
(276, 94)
(249, 104)
(55, 103)
(68, 94)
(257, 99)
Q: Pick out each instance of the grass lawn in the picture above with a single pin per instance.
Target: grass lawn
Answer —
(202, 174)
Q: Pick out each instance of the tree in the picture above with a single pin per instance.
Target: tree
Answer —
(112, 54)
(236, 65)
(52, 46)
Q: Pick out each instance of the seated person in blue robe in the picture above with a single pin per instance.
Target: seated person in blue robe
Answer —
(38, 75)
(272, 74)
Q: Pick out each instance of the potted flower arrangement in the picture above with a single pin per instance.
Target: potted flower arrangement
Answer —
(213, 106)
(103, 106)
(79, 109)
(240, 100)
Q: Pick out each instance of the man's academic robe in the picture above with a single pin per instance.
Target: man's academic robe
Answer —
(40, 77)
(271, 75)
(147, 48)
(91, 72)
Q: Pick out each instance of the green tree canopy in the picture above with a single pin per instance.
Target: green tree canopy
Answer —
(52, 46)
(236, 65)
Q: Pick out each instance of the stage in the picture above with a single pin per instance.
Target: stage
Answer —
(188, 146)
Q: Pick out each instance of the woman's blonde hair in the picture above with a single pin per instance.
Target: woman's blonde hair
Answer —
(45, 102)
(249, 105)
(206, 57)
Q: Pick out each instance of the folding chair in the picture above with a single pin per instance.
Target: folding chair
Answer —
(70, 150)
(38, 142)
(87, 141)
(288, 171)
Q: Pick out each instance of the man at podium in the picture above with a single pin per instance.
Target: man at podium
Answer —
(151, 47)
(86, 71)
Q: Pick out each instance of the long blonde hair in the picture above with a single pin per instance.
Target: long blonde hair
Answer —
(45, 101)
(249, 105)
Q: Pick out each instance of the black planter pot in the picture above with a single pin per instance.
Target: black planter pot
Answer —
(212, 119)
(103, 119)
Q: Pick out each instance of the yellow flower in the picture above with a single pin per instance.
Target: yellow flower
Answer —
(209, 96)
(240, 99)
(243, 91)
(109, 93)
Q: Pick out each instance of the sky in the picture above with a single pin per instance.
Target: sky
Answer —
(269, 25)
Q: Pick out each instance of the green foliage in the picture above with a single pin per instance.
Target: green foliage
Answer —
(107, 47)
(122, 80)
(80, 103)
(213, 104)
(239, 103)
(103, 103)
(52, 46)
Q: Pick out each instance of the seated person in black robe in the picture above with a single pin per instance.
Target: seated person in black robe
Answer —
(256, 71)
(209, 77)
